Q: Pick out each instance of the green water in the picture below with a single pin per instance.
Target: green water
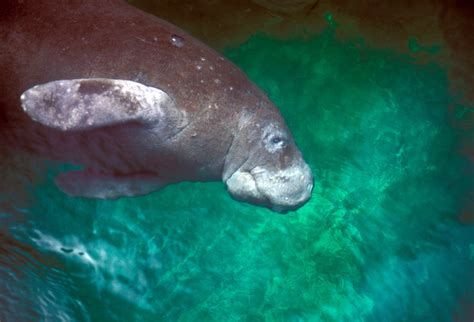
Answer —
(379, 241)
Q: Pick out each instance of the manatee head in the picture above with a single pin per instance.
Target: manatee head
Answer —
(264, 166)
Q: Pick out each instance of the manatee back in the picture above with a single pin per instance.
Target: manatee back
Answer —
(111, 39)
(43, 41)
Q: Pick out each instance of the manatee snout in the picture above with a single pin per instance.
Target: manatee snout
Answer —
(287, 189)
(282, 190)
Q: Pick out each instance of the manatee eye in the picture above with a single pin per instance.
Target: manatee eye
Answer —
(276, 142)
(274, 139)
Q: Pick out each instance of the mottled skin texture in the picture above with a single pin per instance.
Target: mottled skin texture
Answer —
(43, 41)
(75, 41)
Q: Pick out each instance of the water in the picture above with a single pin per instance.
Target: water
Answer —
(382, 239)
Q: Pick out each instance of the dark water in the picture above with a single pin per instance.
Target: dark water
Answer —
(381, 239)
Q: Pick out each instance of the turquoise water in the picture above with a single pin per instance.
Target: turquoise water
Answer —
(380, 240)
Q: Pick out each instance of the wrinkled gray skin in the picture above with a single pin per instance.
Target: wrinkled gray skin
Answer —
(139, 104)
(266, 167)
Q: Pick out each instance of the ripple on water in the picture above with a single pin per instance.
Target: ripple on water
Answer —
(33, 286)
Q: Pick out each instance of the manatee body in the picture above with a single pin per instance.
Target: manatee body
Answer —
(139, 104)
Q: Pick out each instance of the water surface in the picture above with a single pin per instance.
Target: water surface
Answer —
(381, 239)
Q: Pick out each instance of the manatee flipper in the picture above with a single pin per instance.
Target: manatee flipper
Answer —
(104, 186)
(81, 104)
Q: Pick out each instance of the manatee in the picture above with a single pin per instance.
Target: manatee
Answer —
(139, 104)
